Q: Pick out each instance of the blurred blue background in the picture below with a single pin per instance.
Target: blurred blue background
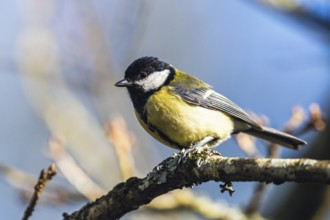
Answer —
(60, 59)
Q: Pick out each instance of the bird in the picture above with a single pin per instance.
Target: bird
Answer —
(183, 112)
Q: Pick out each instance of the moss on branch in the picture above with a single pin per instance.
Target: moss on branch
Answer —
(177, 172)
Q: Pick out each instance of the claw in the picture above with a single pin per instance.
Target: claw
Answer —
(185, 153)
(198, 147)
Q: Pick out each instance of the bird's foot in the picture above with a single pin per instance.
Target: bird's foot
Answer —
(197, 147)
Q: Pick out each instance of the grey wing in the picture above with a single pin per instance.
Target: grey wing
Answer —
(208, 98)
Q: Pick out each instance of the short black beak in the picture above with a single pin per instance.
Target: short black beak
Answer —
(123, 83)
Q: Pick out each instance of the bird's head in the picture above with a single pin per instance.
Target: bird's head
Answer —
(147, 74)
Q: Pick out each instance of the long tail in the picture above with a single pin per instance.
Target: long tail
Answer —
(277, 137)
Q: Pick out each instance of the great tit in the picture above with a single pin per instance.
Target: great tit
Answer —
(182, 111)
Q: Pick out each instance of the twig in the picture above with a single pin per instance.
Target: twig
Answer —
(43, 179)
(316, 122)
(17, 178)
(24, 182)
(74, 174)
(295, 121)
(297, 12)
(122, 140)
(201, 204)
(195, 169)
(248, 143)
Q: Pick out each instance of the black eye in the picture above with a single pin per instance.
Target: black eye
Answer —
(143, 75)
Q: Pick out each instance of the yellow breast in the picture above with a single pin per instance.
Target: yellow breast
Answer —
(183, 123)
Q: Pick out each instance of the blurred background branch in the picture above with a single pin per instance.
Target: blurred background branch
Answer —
(312, 14)
(60, 59)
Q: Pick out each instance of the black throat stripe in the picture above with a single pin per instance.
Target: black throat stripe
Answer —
(164, 136)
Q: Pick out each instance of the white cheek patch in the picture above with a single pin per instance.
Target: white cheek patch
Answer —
(154, 81)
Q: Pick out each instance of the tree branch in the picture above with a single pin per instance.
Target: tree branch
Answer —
(177, 172)
(44, 178)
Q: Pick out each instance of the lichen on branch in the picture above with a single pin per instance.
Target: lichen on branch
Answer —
(197, 167)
